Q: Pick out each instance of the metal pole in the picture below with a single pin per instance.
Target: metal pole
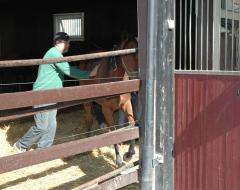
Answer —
(156, 72)
(180, 37)
(207, 43)
(238, 45)
(147, 146)
(216, 34)
(196, 35)
(232, 50)
(190, 36)
(185, 36)
(201, 43)
(226, 36)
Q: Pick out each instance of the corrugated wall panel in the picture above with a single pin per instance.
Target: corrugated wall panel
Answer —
(207, 133)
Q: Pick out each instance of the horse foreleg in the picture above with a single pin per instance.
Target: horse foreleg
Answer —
(88, 116)
(108, 114)
(118, 156)
(131, 151)
(127, 108)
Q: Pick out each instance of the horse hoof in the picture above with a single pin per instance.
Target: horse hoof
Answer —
(128, 156)
(119, 165)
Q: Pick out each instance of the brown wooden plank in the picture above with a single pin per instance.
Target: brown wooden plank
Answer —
(17, 114)
(120, 181)
(107, 176)
(30, 98)
(30, 62)
(17, 161)
(115, 183)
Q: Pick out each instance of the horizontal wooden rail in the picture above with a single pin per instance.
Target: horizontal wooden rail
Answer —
(30, 98)
(31, 62)
(108, 176)
(17, 161)
(118, 182)
(17, 114)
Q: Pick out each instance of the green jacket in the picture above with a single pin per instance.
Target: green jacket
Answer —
(51, 76)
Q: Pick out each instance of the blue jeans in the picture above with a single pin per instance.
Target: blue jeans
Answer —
(97, 110)
(42, 133)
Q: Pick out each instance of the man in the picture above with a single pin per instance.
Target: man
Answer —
(50, 76)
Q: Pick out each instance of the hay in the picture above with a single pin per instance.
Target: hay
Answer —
(60, 174)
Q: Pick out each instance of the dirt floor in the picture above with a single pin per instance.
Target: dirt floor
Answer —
(60, 174)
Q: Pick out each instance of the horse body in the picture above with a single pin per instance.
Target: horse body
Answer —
(110, 70)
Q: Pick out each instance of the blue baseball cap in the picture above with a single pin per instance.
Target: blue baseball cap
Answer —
(61, 36)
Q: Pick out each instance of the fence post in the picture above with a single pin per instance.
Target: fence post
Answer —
(147, 47)
(156, 58)
(164, 96)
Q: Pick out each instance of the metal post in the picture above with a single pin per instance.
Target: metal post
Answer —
(180, 36)
(238, 45)
(190, 35)
(156, 72)
(232, 47)
(164, 98)
(226, 36)
(216, 34)
(185, 36)
(201, 42)
(147, 93)
(196, 35)
(207, 38)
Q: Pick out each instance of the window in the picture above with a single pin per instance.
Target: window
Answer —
(71, 23)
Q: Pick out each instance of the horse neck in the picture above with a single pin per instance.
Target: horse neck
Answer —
(130, 62)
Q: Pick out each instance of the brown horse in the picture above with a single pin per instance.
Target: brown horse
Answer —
(113, 69)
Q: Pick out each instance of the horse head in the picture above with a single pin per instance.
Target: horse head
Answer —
(124, 66)
(130, 61)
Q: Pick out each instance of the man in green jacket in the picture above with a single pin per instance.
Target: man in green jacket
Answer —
(50, 76)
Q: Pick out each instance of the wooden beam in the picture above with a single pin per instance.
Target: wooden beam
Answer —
(30, 98)
(107, 176)
(17, 114)
(116, 183)
(17, 161)
(30, 62)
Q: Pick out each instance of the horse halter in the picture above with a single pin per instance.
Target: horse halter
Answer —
(131, 74)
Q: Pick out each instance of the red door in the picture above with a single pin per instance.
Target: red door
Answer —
(207, 133)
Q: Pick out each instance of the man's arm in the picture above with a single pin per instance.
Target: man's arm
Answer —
(71, 71)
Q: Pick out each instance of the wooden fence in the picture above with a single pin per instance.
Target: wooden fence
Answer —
(67, 96)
